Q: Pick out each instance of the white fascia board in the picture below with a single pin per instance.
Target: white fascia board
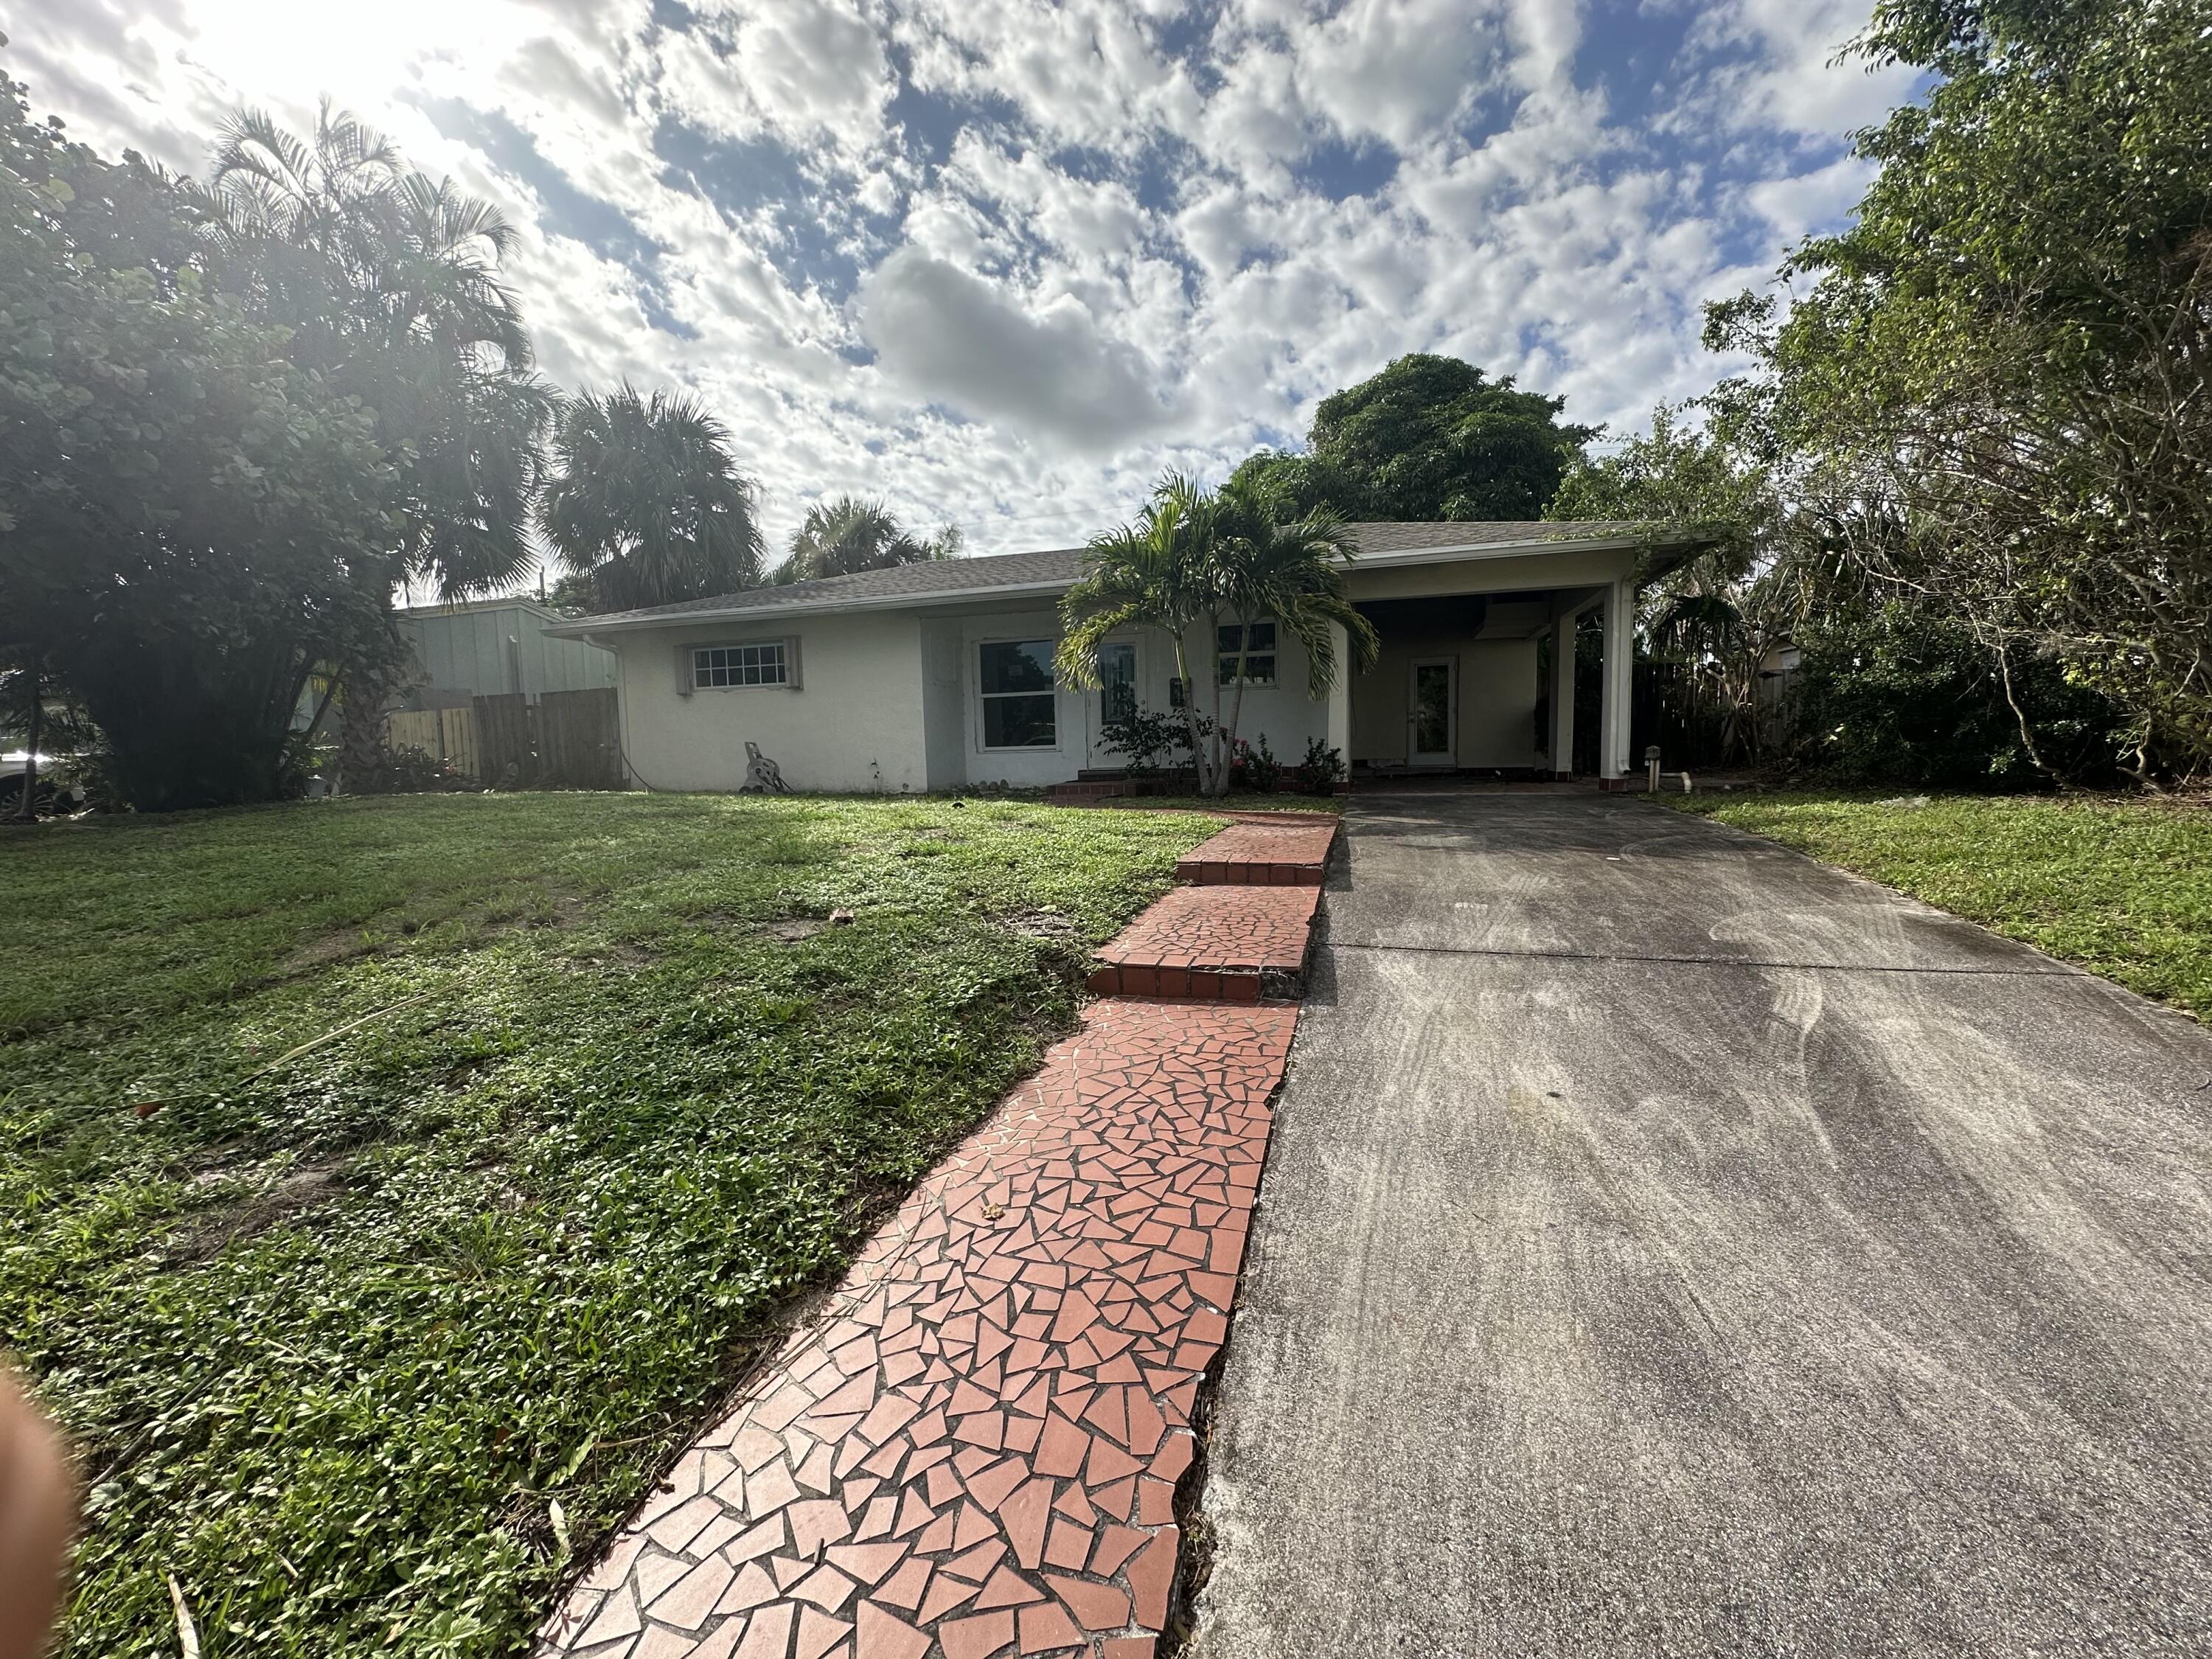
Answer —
(814, 608)
(1495, 550)
(1416, 555)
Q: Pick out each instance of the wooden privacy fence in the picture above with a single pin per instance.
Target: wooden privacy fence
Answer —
(448, 733)
(579, 740)
(566, 740)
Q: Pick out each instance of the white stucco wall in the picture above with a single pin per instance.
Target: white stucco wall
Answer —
(854, 722)
(944, 702)
(1496, 699)
(1283, 713)
(893, 702)
(891, 699)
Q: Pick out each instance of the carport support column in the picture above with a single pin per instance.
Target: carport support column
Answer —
(1619, 683)
(1562, 757)
(1339, 696)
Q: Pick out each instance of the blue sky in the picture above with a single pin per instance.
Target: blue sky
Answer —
(1001, 262)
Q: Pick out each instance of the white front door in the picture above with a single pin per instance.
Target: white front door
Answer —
(1117, 696)
(1432, 712)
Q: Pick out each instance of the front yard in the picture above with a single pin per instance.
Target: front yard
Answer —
(2120, 886)
(391, 1185)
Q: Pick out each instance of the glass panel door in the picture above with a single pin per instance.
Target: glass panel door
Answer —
(1117, 676)
(1432, 712)
(1117, 698)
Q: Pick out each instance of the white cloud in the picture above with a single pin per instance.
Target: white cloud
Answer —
(1087, 239)
(1795, 77)
(953, 338)
(1814, 201)
(1398, 68)
(806, 68)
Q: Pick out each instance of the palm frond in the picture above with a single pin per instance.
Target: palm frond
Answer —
(645, 497)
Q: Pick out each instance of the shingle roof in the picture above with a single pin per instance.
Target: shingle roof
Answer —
(1375, 538)
(1060, 568)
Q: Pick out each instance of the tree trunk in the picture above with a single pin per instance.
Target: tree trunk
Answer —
(1236, 702)
(27, 810)
(360, 728)
(1218, 784)
(1190, 715)
(2020, 716)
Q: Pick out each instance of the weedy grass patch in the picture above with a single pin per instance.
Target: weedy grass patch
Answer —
(384, 1179)
(2123, 886)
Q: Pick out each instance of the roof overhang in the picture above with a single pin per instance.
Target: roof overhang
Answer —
(1667, 551)
(581, 627)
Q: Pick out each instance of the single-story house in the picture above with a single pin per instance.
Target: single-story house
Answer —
(938, 676)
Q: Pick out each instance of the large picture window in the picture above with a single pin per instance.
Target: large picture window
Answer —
(1020, 709)
(1259, 653)
(714, 667)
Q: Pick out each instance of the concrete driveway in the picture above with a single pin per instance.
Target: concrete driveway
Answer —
(1669, 1246)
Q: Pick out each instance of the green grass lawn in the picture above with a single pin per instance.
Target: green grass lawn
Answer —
(2122, 886)
(374, 1174)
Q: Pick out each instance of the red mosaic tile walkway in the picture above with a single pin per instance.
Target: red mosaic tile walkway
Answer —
(1234, 943)
(1261, 855)
(976, 1452)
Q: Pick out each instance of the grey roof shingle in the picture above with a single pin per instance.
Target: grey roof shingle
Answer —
(1061, 566)
(1384, 536)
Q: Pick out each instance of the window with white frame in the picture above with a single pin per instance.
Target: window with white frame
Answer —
(1258, 644)
(717, 667)
(1020, 707)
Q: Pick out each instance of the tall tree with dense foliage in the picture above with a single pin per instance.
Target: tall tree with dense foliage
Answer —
(1706, 626)
(389, 281)
(847, 535)
(1428, 438)
(1995, 391)
(646, 499)
(1218, 565)
(190, 520)
(1883, 689)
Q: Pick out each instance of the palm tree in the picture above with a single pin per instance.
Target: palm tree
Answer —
(1157, 574)
(390, 281)
(441, 275)
(414, 256)
(1196, 559)
(1290, 570)
(645, 497)
(847, 535)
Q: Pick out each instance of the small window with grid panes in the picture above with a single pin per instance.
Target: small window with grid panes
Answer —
(715, 667)
(1258, 644)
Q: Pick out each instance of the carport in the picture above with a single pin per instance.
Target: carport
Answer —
(1477, 625)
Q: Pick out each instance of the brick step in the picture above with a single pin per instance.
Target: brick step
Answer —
(1252, 854)
(1069, 793)
(1226, 942)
